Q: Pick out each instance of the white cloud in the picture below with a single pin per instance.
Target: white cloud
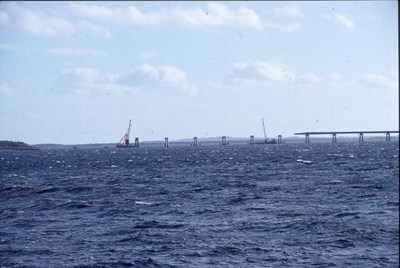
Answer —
(78, 77)
(88, 75)
(67, 52)
(379, 81)
(86, 80)
(215, 14)
(149, 76)
(288, 11)
(130, 14)
(249, 17)
(345, 21)
(262, 71)
(39, 23)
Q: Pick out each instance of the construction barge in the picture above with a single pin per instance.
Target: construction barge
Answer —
(124, 142)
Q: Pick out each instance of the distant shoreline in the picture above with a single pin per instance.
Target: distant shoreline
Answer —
(212, 142)
(21, 146)
(16, 145)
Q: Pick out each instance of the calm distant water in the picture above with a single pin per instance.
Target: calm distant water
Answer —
(287, 205)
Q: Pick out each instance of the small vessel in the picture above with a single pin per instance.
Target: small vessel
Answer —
(124, 142)
(266, 140)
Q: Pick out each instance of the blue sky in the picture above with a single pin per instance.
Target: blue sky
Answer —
(76, 72)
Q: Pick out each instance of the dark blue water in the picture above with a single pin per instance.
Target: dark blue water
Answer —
(289, 205)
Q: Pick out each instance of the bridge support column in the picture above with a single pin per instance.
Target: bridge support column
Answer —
(136, 142)
(279, 138)
(195, 142)
(387, 136)
(224, 140)
(361, 138)
(251, 140)
(166, 143)
(333, 137)
(307, 138)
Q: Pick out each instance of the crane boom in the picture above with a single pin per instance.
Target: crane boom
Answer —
(125, 139)
(129, 129)
(265, 134)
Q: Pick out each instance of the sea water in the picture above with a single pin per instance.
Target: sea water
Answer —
(283, 205)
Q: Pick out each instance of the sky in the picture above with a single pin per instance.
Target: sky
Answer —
(76, 72)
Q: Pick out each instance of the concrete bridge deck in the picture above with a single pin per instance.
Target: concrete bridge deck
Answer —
(360, 133)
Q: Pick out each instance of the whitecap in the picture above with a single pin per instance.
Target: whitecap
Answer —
(304, 161)
(142, 203)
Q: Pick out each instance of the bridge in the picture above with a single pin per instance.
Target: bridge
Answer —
(360, 133)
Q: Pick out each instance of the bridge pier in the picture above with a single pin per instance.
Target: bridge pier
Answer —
(195, 143)
(361, 137)
(252, 140)
(387, 136)
(224, 141)
(136, 142)
(307, 138)
(334, 137)
(280, 139)
(166, 143)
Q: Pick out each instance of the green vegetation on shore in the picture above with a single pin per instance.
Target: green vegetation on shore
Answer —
(15, 145)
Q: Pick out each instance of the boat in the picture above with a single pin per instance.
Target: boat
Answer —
(266, 140)
(124, 142)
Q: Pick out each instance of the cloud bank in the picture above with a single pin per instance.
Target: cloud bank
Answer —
(145, 77)
(255, 71)
(47, 23)
(159, 77)
(39, 23)
(214, 15)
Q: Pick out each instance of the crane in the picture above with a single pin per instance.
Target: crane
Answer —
(265, 134)
(124, 142)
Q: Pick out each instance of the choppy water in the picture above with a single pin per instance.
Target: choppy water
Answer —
(289, 205)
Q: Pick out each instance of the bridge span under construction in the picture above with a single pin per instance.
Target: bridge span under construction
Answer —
(335, 133)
